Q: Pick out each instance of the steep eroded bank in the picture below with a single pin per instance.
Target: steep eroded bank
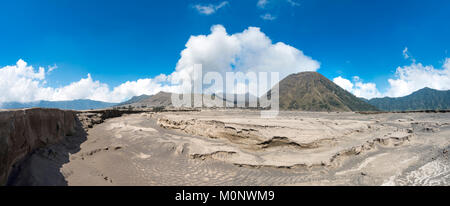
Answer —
(23, 131)
(30, 137)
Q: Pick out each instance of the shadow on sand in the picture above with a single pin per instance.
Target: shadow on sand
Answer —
(43, 166)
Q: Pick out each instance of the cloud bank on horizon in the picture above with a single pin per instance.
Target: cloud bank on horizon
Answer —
(407, 79)
(247, 51)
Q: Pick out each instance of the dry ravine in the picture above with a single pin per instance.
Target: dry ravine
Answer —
(237, 147)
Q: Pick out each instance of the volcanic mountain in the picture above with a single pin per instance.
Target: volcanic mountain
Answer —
(156, 100)
(311, 91)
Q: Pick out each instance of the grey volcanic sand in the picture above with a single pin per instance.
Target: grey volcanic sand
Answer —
(234, 147)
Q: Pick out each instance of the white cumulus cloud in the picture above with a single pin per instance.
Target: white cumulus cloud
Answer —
(250, 50)
(357, 87)
(22, 83)
(407, 80)
(417, 76)
(19, 82)
(344, 83)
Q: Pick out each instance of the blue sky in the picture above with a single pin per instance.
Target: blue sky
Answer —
(117, 41)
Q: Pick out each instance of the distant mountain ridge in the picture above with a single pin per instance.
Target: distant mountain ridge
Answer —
(423, 99)
(306, 91)
(80, 104)
(134, 99)
(165, 99)
(156, 100)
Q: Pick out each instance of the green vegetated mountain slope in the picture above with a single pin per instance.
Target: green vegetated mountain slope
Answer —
(423, 99)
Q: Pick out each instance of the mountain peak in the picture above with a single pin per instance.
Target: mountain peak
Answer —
(426, 89)
(162, 93)
(311, 91)
(307, 74)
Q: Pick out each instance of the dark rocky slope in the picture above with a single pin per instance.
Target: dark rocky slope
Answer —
(23, 131)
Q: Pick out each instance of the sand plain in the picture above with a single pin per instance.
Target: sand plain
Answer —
(237, 147)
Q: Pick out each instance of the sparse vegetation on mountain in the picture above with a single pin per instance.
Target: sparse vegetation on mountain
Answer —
(311, 91)
(423, 99)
